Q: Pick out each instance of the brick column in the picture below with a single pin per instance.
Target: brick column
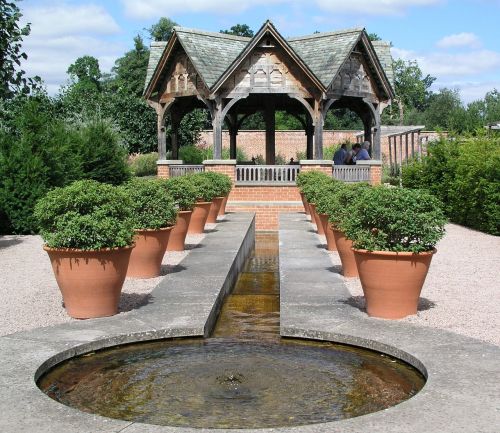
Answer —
(375, 170)
(224, 166)
(323, 165)
(163, 167)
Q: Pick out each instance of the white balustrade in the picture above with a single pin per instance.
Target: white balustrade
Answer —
(181, 170)
(266, 174)
(351, 173)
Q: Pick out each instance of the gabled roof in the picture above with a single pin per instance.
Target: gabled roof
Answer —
(216, 55)
(325, 53)
(268, 28)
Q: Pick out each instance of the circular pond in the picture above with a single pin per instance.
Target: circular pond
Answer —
(218, 383)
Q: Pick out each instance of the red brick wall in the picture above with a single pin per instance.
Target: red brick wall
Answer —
(163, 171)
(264, 193)
(288, 143)
(375, 175)
(266, 217)
(227, 169)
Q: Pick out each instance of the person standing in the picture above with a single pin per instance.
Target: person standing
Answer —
(340, 155)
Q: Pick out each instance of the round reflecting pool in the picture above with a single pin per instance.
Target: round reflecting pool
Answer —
(220, 383)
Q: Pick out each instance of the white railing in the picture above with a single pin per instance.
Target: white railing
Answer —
(181, 170)
(266, 174)
(351, 173)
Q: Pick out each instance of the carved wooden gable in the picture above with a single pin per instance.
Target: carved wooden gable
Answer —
(265, 70)
(354, 78)
(182, 79)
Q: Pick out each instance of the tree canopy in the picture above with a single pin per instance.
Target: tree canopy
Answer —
(162, 30)
(239, 30)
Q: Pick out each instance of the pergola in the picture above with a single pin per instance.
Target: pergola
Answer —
(234, 77)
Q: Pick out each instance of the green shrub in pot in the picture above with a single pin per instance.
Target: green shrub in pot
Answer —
(221, 183)
(341, 199)
(205, 189)
(151, 205)
(85, 215)
(183, 192)
(311, 184)
(395, 219)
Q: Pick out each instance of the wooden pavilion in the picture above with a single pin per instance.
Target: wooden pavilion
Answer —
(234, 77)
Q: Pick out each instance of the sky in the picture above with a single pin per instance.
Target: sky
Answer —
(458, 42)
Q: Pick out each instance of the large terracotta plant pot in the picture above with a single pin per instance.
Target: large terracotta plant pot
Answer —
(319, 226)
(222, 210)
(214, 210)
(327, 229)
(305, 203)
(312, 210)
(344, 247)
(146, 258)
(90, 281)
(177, 238)
(199, 217)
(392, 282)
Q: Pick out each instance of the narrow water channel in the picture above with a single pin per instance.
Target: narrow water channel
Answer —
(244, 376)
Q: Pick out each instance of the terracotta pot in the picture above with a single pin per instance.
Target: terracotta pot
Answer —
(177, 239)
(222, 210)
(327, 228)
(312, 209)
(146, 258)
(344, 247)
(392, 282)
(319, 226)
(305, 203)
(214, 210)
(90, 281)
(199, 217)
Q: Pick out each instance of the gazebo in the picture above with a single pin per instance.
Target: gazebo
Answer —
(234, 77)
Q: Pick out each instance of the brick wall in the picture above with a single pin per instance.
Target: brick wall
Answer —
(288, 143)
(266, 215)
(375, 175)
(264, 193)
(163, 171)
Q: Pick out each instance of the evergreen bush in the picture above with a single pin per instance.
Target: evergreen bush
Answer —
(221, 183)
(86, 215)
(205, 189)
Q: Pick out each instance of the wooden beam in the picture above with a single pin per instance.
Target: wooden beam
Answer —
(269, 117)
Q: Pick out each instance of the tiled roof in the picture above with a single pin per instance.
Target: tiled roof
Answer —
(325, 53)
(213, 53)
(383, 50)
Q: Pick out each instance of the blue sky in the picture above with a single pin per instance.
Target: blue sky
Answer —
(458, 42)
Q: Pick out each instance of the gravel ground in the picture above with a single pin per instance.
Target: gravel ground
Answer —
(29, 293)
(462, 289)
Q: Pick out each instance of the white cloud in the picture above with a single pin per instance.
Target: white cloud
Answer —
(453, 64)
(463, 39)
(60, 33)
(64, 19)
(155, 8)
(469, 90)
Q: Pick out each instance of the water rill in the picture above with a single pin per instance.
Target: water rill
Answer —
(244, 376)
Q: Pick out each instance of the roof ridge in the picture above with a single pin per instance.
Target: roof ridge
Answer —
(213, 34)
(326, 34)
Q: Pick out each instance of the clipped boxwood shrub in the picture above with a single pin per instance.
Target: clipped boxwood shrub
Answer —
(144, 164)
(395, 219)
(341, 200)
(191, 154)
(86, 215)
(205, 189)
(312, 185)
(326, 193)
(151, 206)
(182, 191)
(221, 183)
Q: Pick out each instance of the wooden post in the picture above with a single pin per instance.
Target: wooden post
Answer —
(310, 140)
(406, 147)
(162, 138)
(390, 154)
(270, 133)
(413, 145)
(217, 120)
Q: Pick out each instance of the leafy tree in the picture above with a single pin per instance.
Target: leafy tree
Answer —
(239, 30)
(12, 79)
(445, 111)
(85, 70)
(374, 37)
(162, 30)
(130, 70)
